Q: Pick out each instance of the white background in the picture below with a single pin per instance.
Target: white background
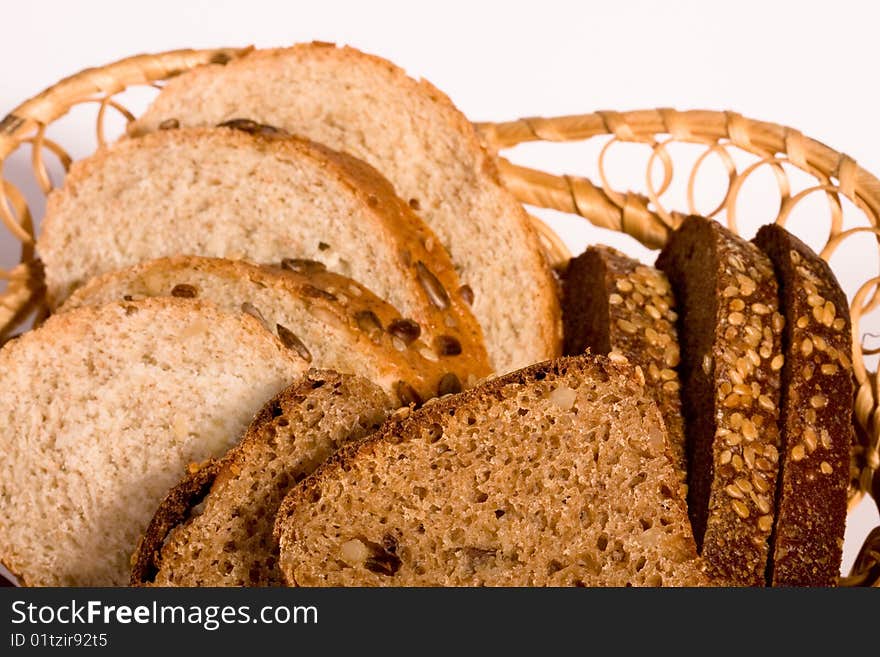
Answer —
(810, 65)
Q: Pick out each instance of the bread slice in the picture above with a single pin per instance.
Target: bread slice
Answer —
(731, 354)
(614, 304)
(331, 320)
(817, 429)
(414, 135)
(215, 527)
(226, 192)
(558, 474)
(102, 410)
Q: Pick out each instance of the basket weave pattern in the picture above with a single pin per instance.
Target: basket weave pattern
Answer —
(641, 215)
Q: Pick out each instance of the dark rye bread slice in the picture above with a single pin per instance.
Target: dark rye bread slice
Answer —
(330, 320)
(414, 135)
(731, 355)
(613, 304)
(257, 195)
(215, 527)
(817, 402)
(557, 474)
(102, 409)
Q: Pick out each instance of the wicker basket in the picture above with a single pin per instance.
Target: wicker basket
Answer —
(643, 216)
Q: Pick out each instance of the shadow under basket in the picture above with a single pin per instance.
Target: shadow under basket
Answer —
(743, 146)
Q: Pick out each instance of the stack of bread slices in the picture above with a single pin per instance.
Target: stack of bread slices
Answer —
(303, 335)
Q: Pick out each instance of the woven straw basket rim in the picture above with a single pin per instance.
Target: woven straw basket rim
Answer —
(642, 216)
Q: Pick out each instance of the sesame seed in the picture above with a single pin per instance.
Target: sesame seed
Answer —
(807, 371)
(795, 256)
(668, 375)
(817, 313)
(731, 401)
(652, 311)
(829, 368)
(765, 523)
(778, 322)
(818, 401)
(725, 388)
(615, 299)
(617, 357)
(838, 324)
(814, 300)
(771, 453)
(671, 386)
(742, 389)
(640, 375)
(760, 482)
(737, 304)
(740, 509)
(807, 347)
(737, 462)
(811, 441)
(733, 439)
(844, 360)
(765, 402)
(826, 468)
(749, 431)
(798, 452)
(763, 464)
(802, 321)
(730, 291)
(744, 485)
(638, 297)
(828, 313)
(726, 456)
(777, 363)
(624, 285)
(820, 343)
(735, 318)
(672, 316)
(653, 371)
(825, 437)
(734, 492)
(672, 356)
(763, 504)
(760, 308)
(652, 335)
(736, 420)
(735, 377)
(766, 351)
(746, 285)
(627, 326)
(810, 415)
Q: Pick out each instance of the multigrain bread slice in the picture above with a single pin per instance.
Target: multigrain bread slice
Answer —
(415, 136)
(227, 540)
(250, 194)
(332, 321)
(558, 474)
(731, 356)
(817, 429)
(613, 304)
(102, 409)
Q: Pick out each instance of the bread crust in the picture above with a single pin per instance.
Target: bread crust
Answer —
(730, 331)
(816, 421)
(540, 330)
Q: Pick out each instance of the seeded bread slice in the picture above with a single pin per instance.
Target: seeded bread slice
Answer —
(331, 321)
(102, 410)
(614, 304)
(817, 429)
(231, 193)
(731, 354)
(558, 474)
(215, 527)
(415, 136)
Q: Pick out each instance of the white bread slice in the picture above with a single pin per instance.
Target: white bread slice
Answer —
(558, 474)
(413, 133)
(225, 192)
(334, 322)
(215, 527)
(102, 409)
